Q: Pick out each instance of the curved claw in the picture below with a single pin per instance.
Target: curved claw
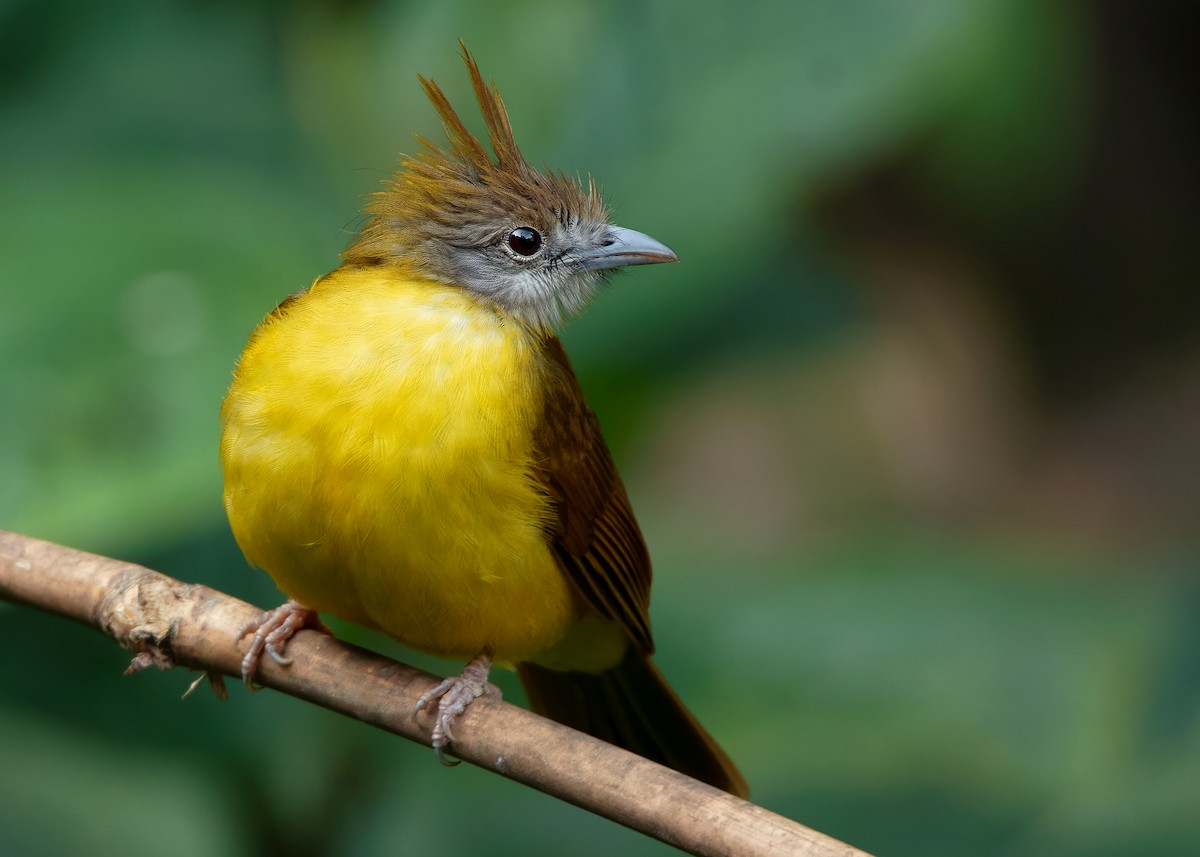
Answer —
(272, 629)
(453, 696)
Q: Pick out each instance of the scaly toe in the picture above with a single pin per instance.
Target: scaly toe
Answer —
(272, 629)
(453, 696)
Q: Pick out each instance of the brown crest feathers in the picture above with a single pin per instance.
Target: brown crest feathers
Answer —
(463, 143)
(457, 193)
(499, 129)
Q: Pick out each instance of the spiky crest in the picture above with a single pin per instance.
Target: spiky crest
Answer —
(444, 201)
(441, 188)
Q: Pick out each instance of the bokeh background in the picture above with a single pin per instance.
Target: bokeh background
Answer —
(913, 430)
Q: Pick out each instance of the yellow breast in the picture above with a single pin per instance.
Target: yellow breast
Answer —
(377, 451)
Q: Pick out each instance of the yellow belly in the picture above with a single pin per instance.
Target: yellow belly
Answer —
(377, 451)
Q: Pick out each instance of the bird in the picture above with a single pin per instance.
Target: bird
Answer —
(405, 445)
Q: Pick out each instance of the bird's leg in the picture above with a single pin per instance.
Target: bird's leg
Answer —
(272, 630)
(453, 696)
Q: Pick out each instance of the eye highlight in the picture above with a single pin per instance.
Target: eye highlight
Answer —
(525, 241)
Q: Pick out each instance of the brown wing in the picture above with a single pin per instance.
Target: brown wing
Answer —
(594, 536)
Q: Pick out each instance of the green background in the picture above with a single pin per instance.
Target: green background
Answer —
(912, 430)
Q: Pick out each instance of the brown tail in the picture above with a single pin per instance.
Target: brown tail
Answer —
(632, 706)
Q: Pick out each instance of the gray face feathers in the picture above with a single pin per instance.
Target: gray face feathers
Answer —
(535, 245)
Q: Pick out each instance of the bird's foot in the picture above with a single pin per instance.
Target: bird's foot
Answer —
(272, 630)
(453, 696)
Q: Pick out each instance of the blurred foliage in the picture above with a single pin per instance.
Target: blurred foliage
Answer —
(911, 430)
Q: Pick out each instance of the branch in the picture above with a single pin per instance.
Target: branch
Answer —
(169, 623)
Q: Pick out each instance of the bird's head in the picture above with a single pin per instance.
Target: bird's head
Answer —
(536, 245)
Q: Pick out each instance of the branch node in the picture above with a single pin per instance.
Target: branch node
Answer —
(140, 612)
(153, 649)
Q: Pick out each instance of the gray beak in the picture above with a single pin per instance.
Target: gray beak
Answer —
(625, 247)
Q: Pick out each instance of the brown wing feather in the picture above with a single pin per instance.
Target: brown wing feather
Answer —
(594, 535)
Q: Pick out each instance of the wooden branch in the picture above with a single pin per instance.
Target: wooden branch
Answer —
(169, 623)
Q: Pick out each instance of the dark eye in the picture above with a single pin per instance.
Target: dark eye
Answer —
(525, 241)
